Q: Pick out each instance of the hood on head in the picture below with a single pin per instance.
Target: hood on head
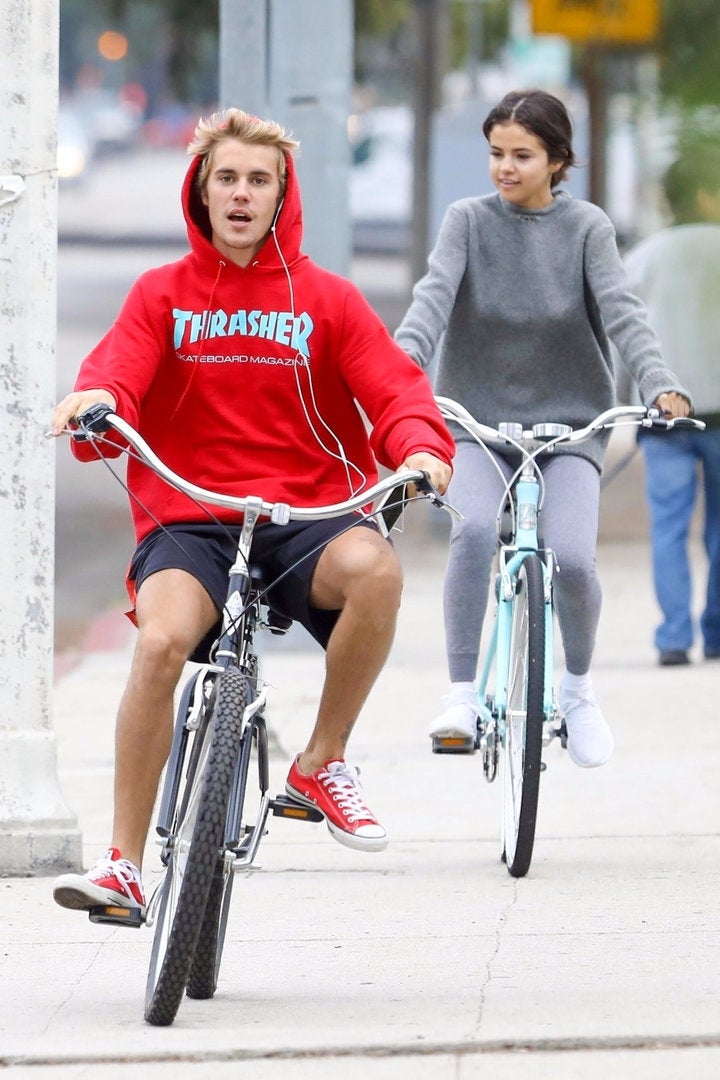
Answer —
(288, 228)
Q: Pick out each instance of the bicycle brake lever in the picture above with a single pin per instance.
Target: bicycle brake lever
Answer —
(92, 422)
(433, 495)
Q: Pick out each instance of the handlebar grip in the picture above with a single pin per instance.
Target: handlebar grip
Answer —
(669, 423)
(688, 422)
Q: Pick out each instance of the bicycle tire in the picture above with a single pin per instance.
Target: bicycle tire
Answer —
(522, 738)
(205, 968)
(197, 849)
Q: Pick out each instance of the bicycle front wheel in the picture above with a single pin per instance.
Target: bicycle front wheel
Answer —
(253, 757)
(522, 739)
(196, 847)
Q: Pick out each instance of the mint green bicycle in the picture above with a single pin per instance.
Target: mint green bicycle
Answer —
(517, 707)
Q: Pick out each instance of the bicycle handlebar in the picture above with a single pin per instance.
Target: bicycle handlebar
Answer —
(98, 418)
(514, 435)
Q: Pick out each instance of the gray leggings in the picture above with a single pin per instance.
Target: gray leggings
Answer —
(568, 525)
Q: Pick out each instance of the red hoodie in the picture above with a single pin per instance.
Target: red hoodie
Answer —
(236, 377)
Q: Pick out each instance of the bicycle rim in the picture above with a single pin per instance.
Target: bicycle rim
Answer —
(522, 739)
(196, 849)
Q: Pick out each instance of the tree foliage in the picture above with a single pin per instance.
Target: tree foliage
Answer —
(688, 51)
(378, 18)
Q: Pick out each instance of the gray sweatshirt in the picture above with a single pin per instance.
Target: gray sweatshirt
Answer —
(676, 273)
(527, 300)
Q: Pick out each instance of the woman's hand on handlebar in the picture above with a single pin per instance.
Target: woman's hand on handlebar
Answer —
(673, 405)
(438, 471)
(75, 404)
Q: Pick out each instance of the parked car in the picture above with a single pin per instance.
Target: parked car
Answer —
(74, 146)
(381, 178)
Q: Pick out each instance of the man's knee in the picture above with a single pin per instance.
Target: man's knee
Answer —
(365, 571)
(161, 650)
(377, 568)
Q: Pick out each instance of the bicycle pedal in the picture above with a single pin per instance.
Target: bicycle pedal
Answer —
(284, 806)
(453, 744)
(116, 915)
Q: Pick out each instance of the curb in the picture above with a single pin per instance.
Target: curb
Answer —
(110, 632)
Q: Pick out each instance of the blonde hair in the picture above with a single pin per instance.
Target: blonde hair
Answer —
(235, 124)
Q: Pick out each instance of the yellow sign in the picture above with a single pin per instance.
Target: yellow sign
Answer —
(597, 20)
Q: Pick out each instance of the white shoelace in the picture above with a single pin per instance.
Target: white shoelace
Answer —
(123, 871)
(342, 783)
(570, 704)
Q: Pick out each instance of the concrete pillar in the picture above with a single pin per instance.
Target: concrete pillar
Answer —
(293, 63)
(38, 834)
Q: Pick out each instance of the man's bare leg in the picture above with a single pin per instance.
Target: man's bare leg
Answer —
(359, 573)
(174, 612)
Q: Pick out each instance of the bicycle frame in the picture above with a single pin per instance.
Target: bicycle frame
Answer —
(525, 494)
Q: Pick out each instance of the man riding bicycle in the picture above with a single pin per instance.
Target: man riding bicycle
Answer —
(243, 365)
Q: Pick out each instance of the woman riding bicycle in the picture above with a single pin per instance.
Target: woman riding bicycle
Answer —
(528, 288)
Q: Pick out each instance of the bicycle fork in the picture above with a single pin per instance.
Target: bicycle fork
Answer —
(492, 708)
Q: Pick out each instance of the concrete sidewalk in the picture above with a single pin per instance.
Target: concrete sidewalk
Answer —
(427, 960)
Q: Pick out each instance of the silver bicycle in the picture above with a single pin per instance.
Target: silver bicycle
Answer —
(213, 814)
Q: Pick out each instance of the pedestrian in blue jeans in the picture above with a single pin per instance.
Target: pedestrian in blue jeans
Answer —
(677, 274)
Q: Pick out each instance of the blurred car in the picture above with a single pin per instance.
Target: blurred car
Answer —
(74, 146)
(173, 125)
(113, 123)
(381, 178)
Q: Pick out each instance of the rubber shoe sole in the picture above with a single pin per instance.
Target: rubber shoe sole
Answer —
(75, 892)
(352, 840)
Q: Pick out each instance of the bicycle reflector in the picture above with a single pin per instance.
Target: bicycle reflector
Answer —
(118, 916)
(453, 744)
(288, 808)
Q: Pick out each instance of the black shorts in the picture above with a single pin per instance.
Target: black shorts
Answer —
(207, 551)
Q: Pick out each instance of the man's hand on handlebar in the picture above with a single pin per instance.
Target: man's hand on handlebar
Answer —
(75, 404)
(438, 472)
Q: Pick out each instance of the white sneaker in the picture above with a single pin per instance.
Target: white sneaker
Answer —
(458, 720)
(590, 740)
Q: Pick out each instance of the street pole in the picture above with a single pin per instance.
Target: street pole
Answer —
(38, 834)
(428, 53)
(596, 90)
(275, 62)
(243, 55)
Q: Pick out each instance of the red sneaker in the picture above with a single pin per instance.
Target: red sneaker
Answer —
(111, 880)
(335, 791)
